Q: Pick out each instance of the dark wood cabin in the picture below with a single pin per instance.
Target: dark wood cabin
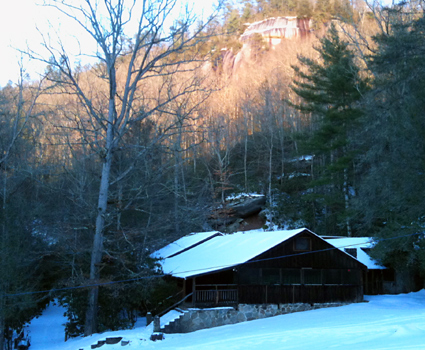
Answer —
(377, 279)
(301, 269)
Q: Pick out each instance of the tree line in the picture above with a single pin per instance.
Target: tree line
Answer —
(102, 164)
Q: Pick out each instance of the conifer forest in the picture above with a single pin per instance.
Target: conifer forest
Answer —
(103, 163)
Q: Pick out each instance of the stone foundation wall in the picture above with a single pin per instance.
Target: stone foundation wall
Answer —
(196, 319)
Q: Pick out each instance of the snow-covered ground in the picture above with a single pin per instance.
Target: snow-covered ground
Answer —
(384, 322)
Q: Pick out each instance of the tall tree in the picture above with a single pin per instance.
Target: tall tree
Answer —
(150, 51)
(391, 194)
(331, 90)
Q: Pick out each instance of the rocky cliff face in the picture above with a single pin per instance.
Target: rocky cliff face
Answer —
(272, 31)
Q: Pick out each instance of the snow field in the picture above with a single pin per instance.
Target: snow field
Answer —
(387, 322)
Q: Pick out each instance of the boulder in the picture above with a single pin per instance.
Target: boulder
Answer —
(238, 214)
(247, 206)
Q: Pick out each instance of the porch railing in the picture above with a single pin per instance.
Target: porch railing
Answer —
(215, 295)
(231, 295)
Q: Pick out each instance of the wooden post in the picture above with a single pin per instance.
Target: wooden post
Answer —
(293, 293)
(366, 282)
(148, 318)
(184, 288)
(194, 291)
(156, 324)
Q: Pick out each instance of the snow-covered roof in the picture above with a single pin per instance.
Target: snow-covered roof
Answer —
(356, 243)
(183, 243)
(224, 251)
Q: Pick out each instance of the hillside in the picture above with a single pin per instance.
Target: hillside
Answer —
(384, 322)
(102, 164)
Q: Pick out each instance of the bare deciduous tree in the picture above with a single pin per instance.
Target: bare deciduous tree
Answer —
(152, 52)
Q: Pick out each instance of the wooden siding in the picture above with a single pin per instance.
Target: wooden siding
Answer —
(285, 294)
(375, 281)
(321, 255)
(309, 276)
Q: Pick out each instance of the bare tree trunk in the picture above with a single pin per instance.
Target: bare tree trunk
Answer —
(176, 191)
(177, 166)
(282, 141)
(270, 170)
(119, 206)
(97, 249)
(245, 160)
(347, 204)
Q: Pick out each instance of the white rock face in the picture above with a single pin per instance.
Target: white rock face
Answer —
(273, 30)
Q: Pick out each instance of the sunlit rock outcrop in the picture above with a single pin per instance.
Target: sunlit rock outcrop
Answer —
(274, 30)
(271, 32)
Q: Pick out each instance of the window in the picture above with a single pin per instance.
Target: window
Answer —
(271, 276)
(312, 276)
(302, 244)
(291, 276)
(249, 276)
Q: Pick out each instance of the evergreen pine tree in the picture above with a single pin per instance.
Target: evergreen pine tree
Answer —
(330, 91)
(391, 196)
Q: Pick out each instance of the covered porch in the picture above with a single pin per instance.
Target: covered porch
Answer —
(231, 287)
(232, 295)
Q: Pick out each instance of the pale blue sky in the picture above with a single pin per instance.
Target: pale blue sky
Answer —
(19, 20)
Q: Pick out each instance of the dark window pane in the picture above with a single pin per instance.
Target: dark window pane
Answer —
(312, 276)
(271, 276)
(302, 244)
(291, 276)
(249, 276)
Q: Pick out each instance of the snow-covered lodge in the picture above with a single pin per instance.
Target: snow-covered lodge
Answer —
(257, 267)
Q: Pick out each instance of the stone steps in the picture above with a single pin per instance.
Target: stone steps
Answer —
(174, 325)
(195, 319)
(109, 341)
